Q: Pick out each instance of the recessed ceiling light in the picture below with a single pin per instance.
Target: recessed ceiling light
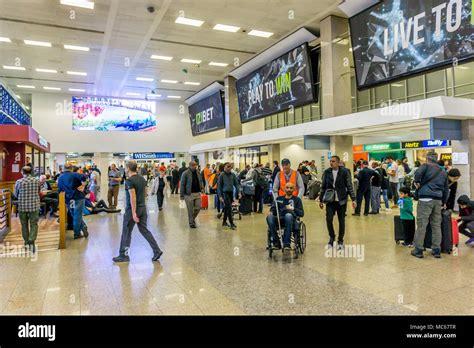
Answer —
(27, 108)
(154, 56)
(5, 39)
(153, 95)
(145, 79)
(132, 93)
(169, 81)
(47, 71)
(76, 48)
(37, 43)
(174, 97)
(25, 86)
(192, 61)
(188, 21)
(260, 33)
(9, 67)
(192, 83)
(218, 64)
(76, 90)
(77, 73)
(18, 97)
(229, 28)
(78, 3)
(52, 88)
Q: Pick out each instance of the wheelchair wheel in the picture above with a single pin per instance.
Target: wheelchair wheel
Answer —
(302, 241)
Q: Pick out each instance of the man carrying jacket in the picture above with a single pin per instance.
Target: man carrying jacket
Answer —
(431, 182)
(338, 179)
(466, 218)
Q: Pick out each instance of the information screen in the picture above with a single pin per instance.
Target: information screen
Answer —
(397, 38)
(109, 114)
(279, 85)
(207, 115)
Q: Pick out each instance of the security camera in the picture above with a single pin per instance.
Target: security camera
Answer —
(150, 9)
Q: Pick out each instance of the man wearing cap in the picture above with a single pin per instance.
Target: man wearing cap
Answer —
(431, 182)
(288, 175)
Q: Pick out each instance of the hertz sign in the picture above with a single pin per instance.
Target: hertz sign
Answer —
(424, 144)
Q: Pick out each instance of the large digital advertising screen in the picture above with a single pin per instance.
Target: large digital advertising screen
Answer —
(207, 115)
(109, 114)
(396, 38)
(277, 86)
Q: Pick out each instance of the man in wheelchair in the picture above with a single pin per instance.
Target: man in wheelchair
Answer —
(290, 208)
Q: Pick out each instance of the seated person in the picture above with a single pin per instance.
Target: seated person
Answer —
(466, 218)
(51, 199)
(289, 208)
(90, 207)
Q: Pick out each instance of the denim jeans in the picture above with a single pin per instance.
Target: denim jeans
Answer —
(375, 198)
(77, 211)
(288, 222)
(385, 198)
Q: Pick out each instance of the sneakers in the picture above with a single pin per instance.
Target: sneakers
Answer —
(277, 246)
(408, 245)
(436, 253)
(121, 258)
(354, 214)
(225, 224)
(287, 247)
(330, 244)
(156, 257)
(373, 213)
(85, 230)
(417, 253)
(219, 215)
(470, 242)
(233, 227)
(340, 246)
(79, 236)
(192, 226)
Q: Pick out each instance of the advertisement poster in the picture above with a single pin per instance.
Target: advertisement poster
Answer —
(207, 115)
(108, 114)
(397, 38)
(279, 85)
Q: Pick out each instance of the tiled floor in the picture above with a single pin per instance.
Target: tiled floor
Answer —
(216, 271)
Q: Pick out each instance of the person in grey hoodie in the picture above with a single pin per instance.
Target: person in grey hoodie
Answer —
(431, 182)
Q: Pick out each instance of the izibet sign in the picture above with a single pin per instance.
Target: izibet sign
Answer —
(207, 115)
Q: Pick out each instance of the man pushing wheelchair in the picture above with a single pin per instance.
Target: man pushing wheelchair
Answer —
(285, 213)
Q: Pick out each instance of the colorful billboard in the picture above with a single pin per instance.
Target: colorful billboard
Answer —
(397, 38)
(109, 114)
(207, 115)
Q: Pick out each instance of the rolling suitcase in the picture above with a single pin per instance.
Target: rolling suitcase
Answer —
(246, 204)
(446, 233)
(399, 235)
(455, 230)
(204, 201)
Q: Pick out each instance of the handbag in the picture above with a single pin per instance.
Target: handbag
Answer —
(416, 195)
(329, 196)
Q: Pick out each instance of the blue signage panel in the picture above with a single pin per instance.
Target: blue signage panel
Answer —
(152, 155)
(10, 111)
(435, 143)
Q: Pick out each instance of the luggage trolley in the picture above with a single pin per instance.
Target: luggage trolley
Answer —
(298, 238)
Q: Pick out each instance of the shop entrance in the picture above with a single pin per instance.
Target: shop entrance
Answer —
(252, 155)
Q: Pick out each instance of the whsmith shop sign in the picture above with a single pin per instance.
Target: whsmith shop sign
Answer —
(152, 155)
(425, 144)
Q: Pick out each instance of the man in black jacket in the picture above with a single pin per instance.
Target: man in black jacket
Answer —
(431, 182)
(289, 208)
(276, 170)
(226, 184)
(175, 177)
(364, 177)
(338, 179)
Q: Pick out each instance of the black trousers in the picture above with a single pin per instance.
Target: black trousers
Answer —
(363, 195)
(258, 200)
(129, 224)
(160, 197)
(408, 227)
(228, 199)
(339, 209)
(175, 186)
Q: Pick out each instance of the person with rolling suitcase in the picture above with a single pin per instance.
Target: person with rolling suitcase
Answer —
(225, 190)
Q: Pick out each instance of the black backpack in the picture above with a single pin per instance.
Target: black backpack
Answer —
(261, 181)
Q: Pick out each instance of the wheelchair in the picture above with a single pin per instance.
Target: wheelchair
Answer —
(298, 238)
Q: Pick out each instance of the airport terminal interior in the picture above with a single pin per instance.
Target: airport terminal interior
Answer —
(251, 157)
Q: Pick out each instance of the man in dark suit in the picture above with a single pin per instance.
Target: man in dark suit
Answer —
(364, 177)
(338, 179)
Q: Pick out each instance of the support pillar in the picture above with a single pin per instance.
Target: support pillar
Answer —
(233, 126)
(102, 160)
(466, 183)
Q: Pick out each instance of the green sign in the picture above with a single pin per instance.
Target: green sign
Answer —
(381, 147)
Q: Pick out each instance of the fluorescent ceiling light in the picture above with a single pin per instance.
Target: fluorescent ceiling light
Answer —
(174, 97)
(25, 86)
(78, 3)
(76, 48)
(192, 83)
(260, 33)
(52, 88)
(229, 28)
(18, 97)
(188, 21)
(218, 64)
(132, 93)
(154, 56)
(145, 79)
(9, 67)
(153, 95)
(77, 73)
(37, 43)
(463, 67)
(192, 61)
(47, 71)
(169, 81)
(76, 90)
(5, 39)
(27, 108)
(397, 85)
